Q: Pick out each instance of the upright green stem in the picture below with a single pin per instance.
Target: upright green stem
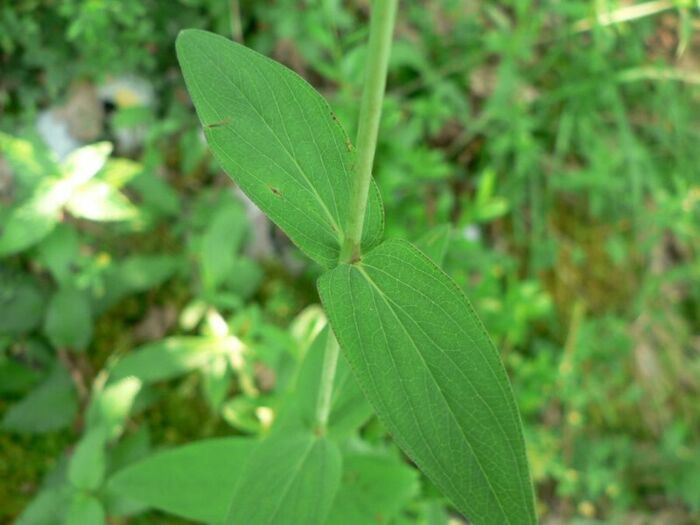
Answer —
(380, 35)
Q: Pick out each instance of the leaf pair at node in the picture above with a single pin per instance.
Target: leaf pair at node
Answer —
(415, 346)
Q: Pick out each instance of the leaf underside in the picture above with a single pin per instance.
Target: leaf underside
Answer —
(435, 379)
(279, 140)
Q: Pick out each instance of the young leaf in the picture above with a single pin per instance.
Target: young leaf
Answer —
(35, 218)
(278, 139)
(194, 481)
(425, 362)
(290, 478)
(87, 465)
(110, 407)
(30, 160)
(85, 510)
(69, 319)
(26, 224)
(97, 200)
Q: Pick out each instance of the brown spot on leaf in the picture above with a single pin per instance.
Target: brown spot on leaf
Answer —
(219, 123)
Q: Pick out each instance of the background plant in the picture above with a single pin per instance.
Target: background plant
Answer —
(561, 151)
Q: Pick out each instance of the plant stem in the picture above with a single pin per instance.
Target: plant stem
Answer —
(380, 35)
(236, 28)
(323, 403)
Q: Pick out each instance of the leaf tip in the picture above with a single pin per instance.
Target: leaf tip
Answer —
(186, 38)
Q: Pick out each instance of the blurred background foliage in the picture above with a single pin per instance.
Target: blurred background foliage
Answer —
(558, 139)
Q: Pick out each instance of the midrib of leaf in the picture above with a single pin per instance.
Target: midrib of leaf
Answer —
(312, 133)
(388, 302)
(401, 381)
(303, 233)
(309, 186)
(445, 313)
(289, 483)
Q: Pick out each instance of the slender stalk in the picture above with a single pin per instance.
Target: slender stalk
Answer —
(236, 28)
(323, 403)
(380, 35)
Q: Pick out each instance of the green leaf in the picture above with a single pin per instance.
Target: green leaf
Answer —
(127, 451)
(135, 274)
(47, 508)
(434, 244)
(33, 219)
(220, 244)
(87, 465)
(172, 357)
(30, 161)
(290, 478)
(110, 407)
(16, 376)
(26, 225)
(85, 510)
(194, 481)
(81, 165)
(51, 406)
(244, 278)
(278, 139)
(156, 195)
(22, 303)
(374, 488)
(59, 253)
(143, 272)
(68, 321)
(428, 367)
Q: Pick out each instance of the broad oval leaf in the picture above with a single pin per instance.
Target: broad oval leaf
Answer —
(279, 140)
(193, 481)
(291, 477)
(425, 362)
